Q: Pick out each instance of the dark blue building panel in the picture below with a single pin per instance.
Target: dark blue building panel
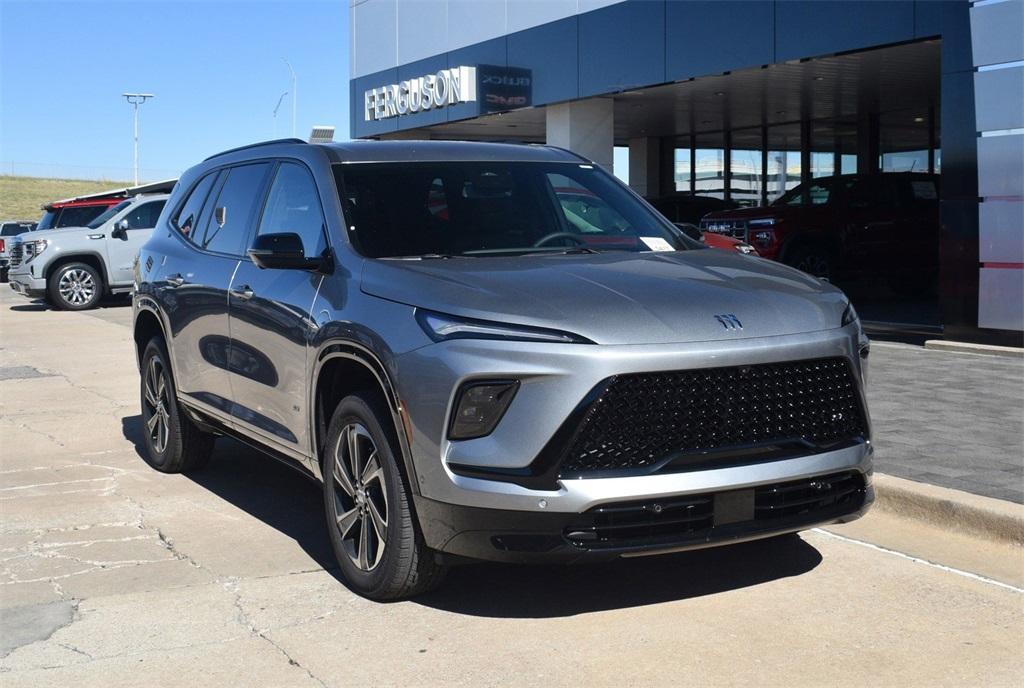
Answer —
(549, 51)
(714, 36)
(622, 47)
(811, 28)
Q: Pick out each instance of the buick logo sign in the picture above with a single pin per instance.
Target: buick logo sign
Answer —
(729, 321)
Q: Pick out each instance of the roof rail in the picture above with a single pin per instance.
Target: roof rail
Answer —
(570, 152)
(255, 145)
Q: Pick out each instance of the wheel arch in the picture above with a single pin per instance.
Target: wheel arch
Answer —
(92, 259)
(343, 368)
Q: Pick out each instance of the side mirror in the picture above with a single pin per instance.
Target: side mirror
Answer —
(283, 252)
(120, 230)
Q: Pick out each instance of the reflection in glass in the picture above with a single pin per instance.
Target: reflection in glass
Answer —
(745, 182)
(710, 172)
(681, 167)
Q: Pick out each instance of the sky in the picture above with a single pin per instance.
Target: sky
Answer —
(217, 69)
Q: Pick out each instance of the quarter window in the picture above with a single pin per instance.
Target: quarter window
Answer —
(229, 223)
(293, 206)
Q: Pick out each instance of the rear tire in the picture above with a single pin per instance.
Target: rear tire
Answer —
(814, 259)
(172, 442)
(75, 287)
(373, 529)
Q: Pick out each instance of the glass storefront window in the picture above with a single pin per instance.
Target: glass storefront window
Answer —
(709, 167)
(783, 159)
(822, 164)
(745, 184)
(681, 169)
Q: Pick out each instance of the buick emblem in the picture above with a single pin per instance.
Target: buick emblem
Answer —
(729, 321)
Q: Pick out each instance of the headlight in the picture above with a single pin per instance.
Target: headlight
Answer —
(479, 407)
(849, 315)
(441, 328)
(34, 248)
(746, 249)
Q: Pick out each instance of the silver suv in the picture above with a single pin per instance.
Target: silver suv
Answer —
(492, 351)
(74, 267)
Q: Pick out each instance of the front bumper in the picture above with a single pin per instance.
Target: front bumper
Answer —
(25, 283)
(630, 529)
(554, 379)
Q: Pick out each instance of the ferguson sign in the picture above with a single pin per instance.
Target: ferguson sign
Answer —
(447, 87)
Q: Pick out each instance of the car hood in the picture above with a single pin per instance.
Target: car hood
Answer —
(55, 234)
(618, 298)
(746, 213)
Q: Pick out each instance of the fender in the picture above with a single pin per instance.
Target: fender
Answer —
(65, 257)
(348, 349)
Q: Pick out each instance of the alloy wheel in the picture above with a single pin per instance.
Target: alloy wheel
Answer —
(77, 287)
(156, 405)
(360, 497)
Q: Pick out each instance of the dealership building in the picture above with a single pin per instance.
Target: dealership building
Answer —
(740, 100)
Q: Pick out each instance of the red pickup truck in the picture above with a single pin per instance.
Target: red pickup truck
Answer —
(850, 226)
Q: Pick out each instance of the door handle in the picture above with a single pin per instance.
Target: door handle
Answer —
(175, 280)
(243, 292)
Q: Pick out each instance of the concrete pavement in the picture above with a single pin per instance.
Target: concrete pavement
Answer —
(113, 574)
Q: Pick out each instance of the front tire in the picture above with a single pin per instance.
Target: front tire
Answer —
(75, 287)
(172, 443)
(370, 518)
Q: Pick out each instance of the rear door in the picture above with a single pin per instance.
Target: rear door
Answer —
(193, 287)
(270, 320)
(121, 252)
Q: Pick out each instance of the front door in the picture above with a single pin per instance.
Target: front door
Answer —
(122, 252)
(270, 321)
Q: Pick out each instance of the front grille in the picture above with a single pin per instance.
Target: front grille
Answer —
(643, 421)
(737, 229)
(708, 517)
(17, 250)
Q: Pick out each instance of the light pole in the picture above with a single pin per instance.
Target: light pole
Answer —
(135, 100)
(276, 108)
(295, 94)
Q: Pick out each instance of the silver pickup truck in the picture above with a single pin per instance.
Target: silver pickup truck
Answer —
(74, 267)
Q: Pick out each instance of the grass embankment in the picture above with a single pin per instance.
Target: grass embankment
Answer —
(21, 198)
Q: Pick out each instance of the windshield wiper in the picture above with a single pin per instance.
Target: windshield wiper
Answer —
(423, 256)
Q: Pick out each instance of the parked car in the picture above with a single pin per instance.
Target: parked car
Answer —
(713, 240)
(426, 328)
(74, 267)
(81, 210)
(847, 226)
(689, 208)
(8, 230)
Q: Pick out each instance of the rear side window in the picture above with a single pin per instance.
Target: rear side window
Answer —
(80, 216)
(228, 225)
(188, 217)
(11, 229)
(294, 206)
(144, 215)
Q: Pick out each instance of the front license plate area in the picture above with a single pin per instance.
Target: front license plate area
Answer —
(735, 506)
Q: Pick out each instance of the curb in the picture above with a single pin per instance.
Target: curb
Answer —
(993, 519)
(968, 348)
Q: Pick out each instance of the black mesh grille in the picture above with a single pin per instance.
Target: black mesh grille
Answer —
(643, 419)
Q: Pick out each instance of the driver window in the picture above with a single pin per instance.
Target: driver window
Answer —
(144, 216)
(294, 207)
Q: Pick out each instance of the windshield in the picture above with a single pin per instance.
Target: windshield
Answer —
(440, 209)
(46, 221)
(108, 213)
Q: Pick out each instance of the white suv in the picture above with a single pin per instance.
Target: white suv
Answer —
(73, 267)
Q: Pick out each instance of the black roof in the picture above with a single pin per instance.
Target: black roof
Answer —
(415, 151)
(420, 151)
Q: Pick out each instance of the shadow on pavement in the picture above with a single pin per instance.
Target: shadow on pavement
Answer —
(266, 489)
(284, 499)
(110, 301)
